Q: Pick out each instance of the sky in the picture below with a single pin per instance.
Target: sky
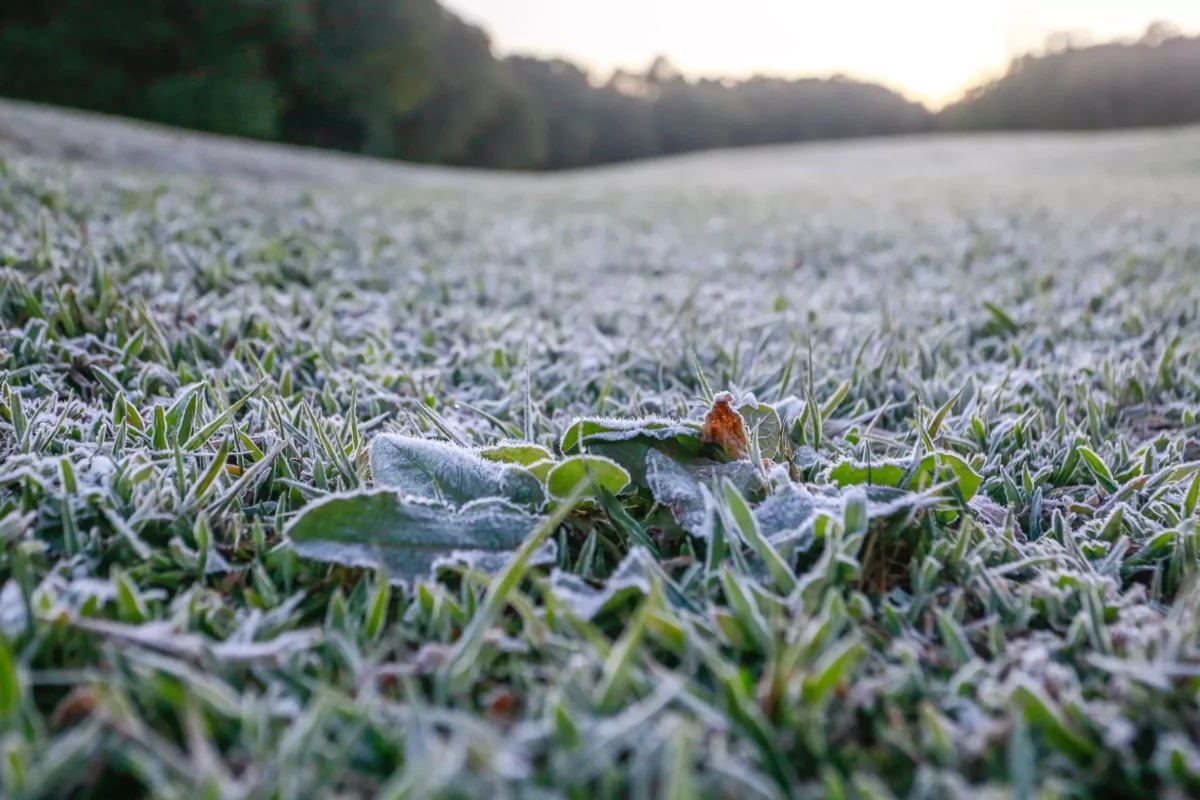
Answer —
(931, 50)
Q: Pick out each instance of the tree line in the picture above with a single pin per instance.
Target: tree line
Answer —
(407, 79)
(1081, 86)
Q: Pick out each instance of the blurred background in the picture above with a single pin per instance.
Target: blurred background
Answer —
(554, 84)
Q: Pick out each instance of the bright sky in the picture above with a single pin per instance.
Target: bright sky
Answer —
(929, 49)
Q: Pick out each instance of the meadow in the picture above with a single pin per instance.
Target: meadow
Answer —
(854, 470)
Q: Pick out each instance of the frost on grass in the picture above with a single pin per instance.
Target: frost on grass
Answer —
(632, 576)
(1012, 614)
(409, 538)
(441, 471)
(789, 515)
(678, 490)
(909, 473)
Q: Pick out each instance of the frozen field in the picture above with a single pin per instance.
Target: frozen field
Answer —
(969, 568)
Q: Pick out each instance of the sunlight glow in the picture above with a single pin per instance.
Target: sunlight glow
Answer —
(929, 49)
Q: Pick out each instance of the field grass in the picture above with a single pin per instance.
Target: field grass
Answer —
(946, 547)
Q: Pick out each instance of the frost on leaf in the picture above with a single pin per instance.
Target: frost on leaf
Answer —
(632, 576)
(586, 431)
(601, 472)
(788, 515)
(440, 471)
(724, 427)
(677, 489)
(626, 441)
(512, 452)
(893, 472)
(411, 537)
(762, 421)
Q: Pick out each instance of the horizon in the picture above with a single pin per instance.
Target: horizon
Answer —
(931, 51)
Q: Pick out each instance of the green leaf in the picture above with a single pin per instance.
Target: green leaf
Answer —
(1043, 713)
(377, 606)
(10, 682)
(204, 434)
(781, 574)
(877, 473)
(541, 469)
(597, 472)
(894, 473)
(765, 420)
(788, 515)
(618, 667)
(409, 538)
(1099, 469)
(835, 400)
(741, 603)
(705, 390)
(1002, 321)
(856, 514)
(675, 488)
(533, 550)
(442, 471)
(622, 520)
(520, 453)
(969, 480)
(632, 576)
(1193, 497)
(590, 430)
(833, 667)
(935, 424)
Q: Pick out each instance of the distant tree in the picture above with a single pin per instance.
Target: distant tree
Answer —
(1152, 81)
(407, 79)
(566, 103)
(194, 63)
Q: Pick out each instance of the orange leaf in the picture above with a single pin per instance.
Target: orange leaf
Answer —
(724, 426)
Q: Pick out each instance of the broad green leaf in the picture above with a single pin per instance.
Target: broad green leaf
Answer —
(586, 431)
(521, 453)
(877, 473)
(678, 490)
(787, 516)
(765, 420)
(442, 471)
(894, 472)
(677, 487)
(409, 538)
(855, 513)
(597, 471)
(632, 576)
(541, 469)
(969, 480)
